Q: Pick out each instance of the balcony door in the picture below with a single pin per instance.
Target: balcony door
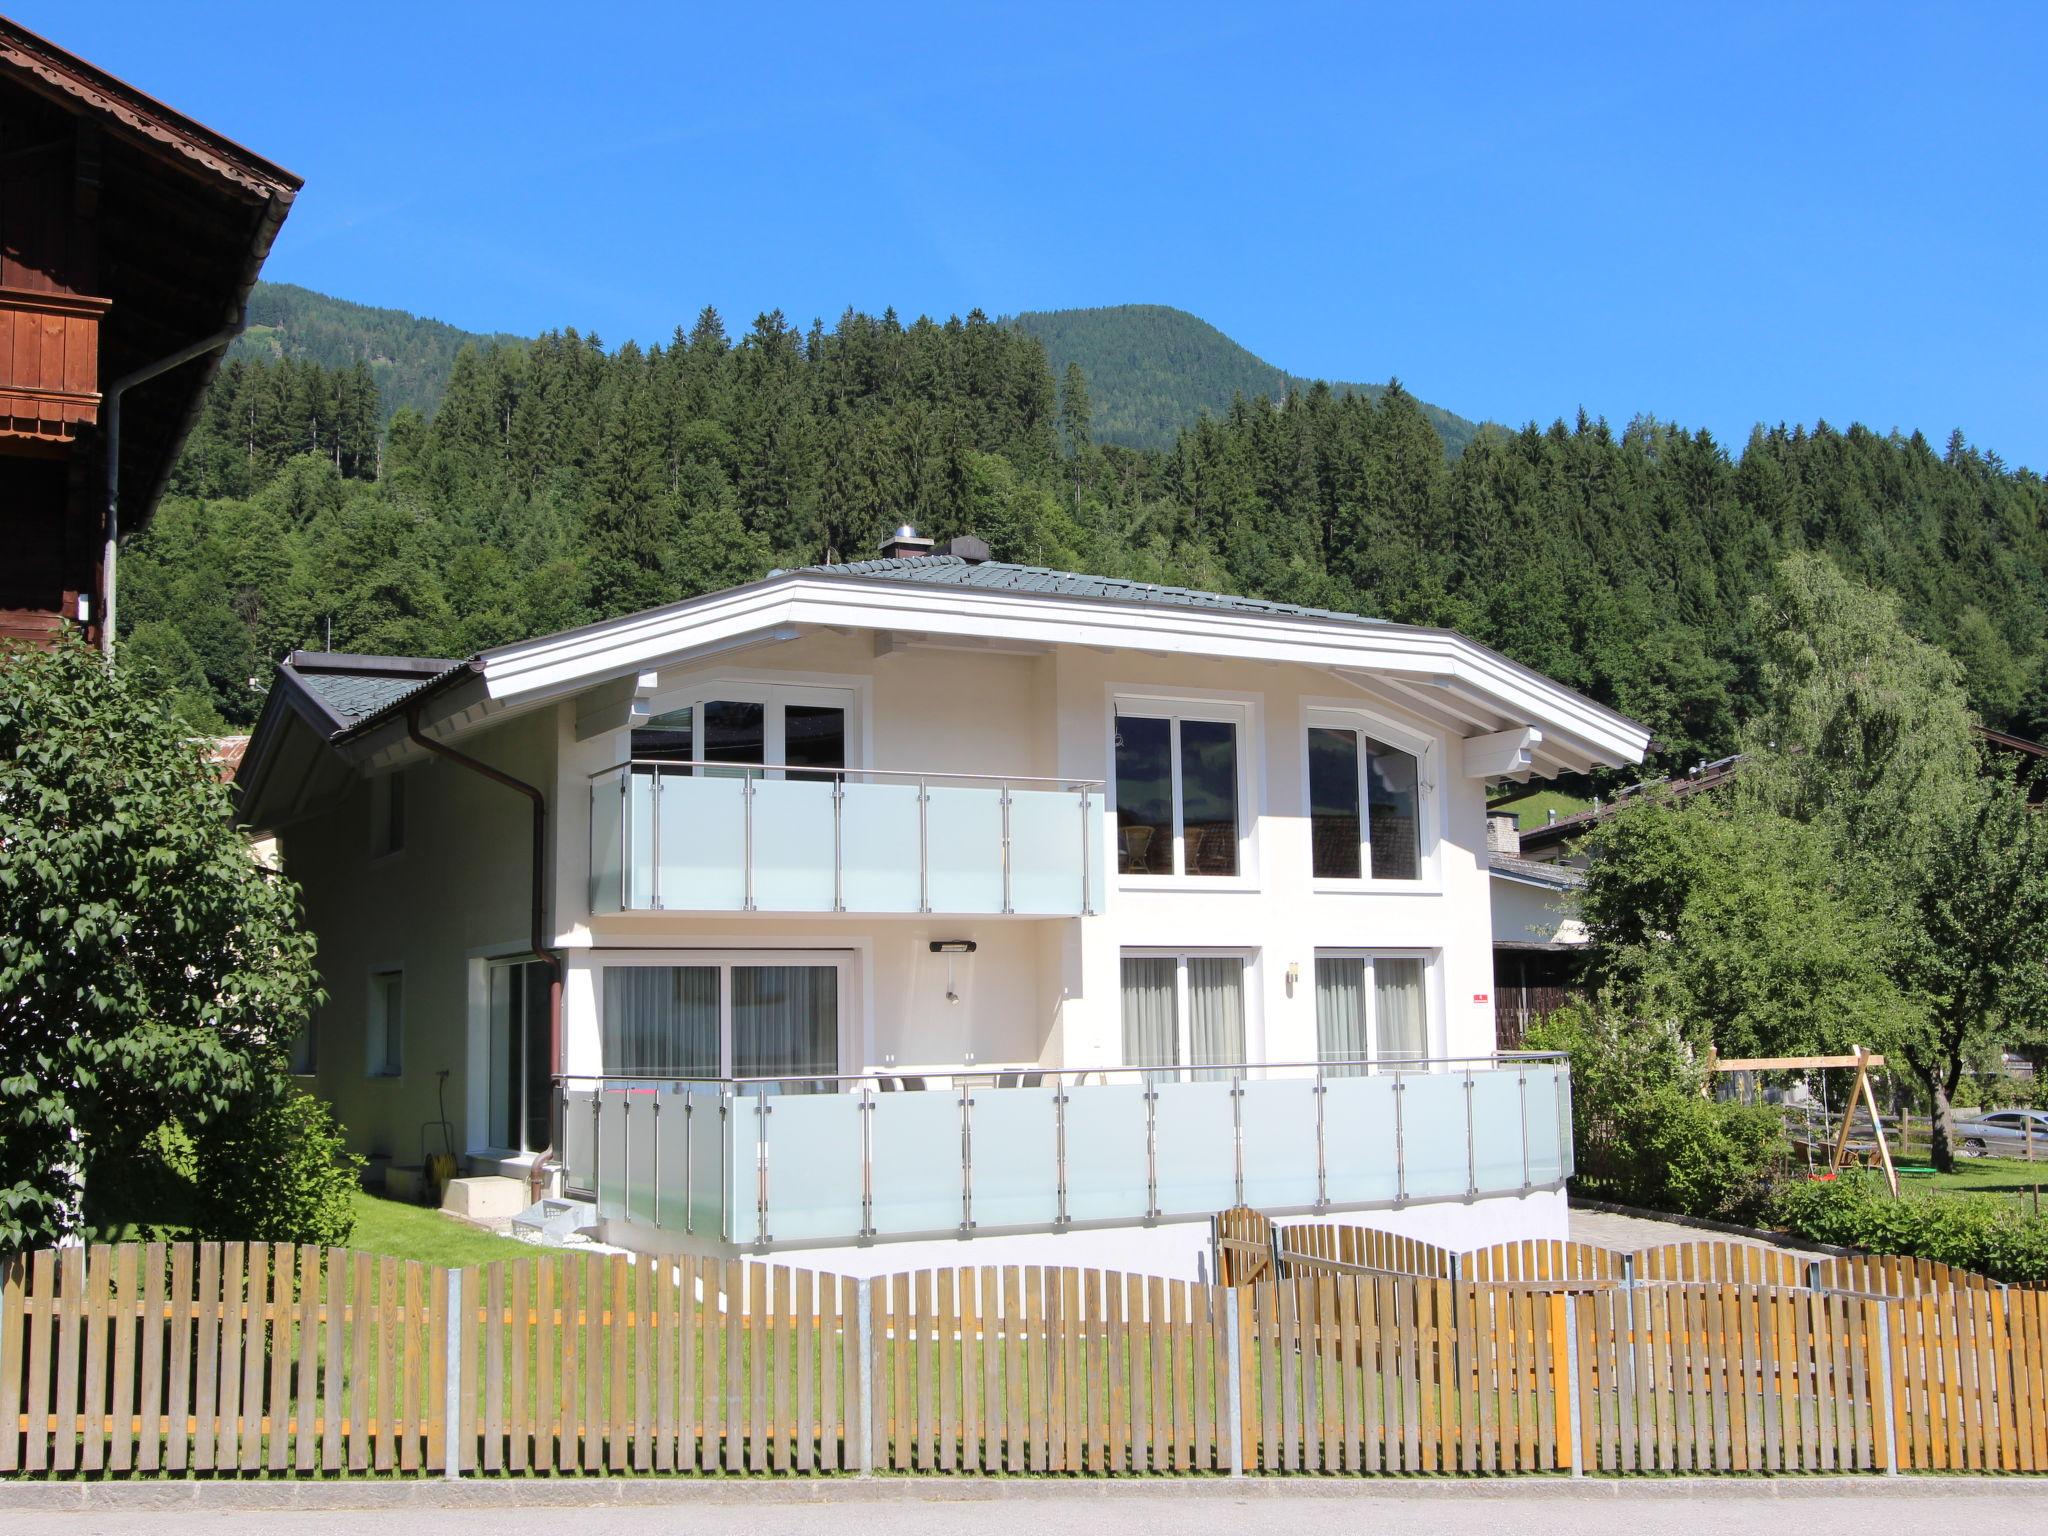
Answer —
(728, 728)
(1371, 1008)
(743, 1016)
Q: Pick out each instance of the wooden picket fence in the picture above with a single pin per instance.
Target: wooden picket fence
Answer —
(1539, 1357)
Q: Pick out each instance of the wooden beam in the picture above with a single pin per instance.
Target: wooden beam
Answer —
(1501, 753)
(1791, 1063)
(614, 706)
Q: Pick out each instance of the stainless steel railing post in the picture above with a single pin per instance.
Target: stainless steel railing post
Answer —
(656, 1176)
(1400, 1141)
(966, 1160)
(839, 844)
(1322, 1156)
(924, 859)
(1087, 858)
(1059, 1112)
(1151, 1148)
(867, 1163)
(1007, 907)
(1237, 1130)
(762, 1109)
(747, 820)
(654, 814)
(1471, 1142)
(1522, 1099)
(689, 1161)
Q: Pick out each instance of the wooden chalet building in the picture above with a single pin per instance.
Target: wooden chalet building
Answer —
(129, 238)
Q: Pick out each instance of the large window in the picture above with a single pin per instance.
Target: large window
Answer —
(722, 1019)
(1184, 1011)
(521, 1078)
(1365, 806)
(1370, 1008)
(1177, 775)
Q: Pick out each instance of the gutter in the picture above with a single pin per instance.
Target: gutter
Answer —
(542, 950)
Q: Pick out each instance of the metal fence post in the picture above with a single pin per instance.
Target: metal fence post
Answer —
(866, 1312)
(451, 1404)
(1884, 1387)
(1233, 1354)
(1571, 1380)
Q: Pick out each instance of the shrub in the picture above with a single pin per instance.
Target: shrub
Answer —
(282, 1174)
(1973, 1232)
(1643, 1133)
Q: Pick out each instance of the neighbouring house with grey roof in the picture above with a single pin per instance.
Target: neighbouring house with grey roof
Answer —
(866, 910)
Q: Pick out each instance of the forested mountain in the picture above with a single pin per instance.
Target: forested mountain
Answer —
(1153, 370)
(408, 357)
(558, 482)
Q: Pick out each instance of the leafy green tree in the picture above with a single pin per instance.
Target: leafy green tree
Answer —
(1973, 948)
(1740, 929)
(152, 974)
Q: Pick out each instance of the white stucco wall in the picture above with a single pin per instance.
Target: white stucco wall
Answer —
(1529, 914)
(1048, 990)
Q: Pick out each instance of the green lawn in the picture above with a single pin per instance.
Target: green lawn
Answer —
(418, 1232)
(1533, 809)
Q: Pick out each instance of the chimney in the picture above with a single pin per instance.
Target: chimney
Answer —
(1503, 835)
(904, 543)
(967, 547)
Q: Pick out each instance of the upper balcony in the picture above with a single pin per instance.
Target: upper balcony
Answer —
(727, 837)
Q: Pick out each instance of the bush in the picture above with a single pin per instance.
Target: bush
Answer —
(281, 1175)
(1643, 1133)
(1973, 1232)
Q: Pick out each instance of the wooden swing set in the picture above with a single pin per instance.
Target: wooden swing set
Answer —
(1863, 1060)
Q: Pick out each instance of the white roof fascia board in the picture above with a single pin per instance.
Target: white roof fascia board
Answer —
(568, 662)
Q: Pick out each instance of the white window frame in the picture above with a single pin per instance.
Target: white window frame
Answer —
(774, 696)
(381, 1028)
(843, 963)
(1428, 879)
(1183, 1027)
(1432, 1010)
(1175, 707)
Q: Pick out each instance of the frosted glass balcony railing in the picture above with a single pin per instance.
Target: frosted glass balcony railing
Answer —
(768, 1165)
(726, 837)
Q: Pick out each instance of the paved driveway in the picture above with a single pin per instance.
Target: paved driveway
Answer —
(1629, 1234)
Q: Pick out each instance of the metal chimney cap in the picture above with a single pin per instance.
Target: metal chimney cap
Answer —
(904, 531)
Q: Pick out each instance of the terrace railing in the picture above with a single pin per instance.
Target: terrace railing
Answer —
(780, 1163)
(744, 837)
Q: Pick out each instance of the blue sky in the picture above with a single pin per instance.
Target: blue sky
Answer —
(1717, 215)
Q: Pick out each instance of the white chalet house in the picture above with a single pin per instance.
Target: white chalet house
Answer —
(931, 909)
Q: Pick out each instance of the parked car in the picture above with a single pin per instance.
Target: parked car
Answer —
(2003, 1133)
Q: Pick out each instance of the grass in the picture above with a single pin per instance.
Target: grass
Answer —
(417, 1232)
(1533, 810)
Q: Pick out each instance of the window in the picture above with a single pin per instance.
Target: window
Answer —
(387, 1024)
(1177, 778)
(1370, 1008)
(1184, 1010)
(1349, 772)
(387, 815)
(305, 1057)
(723, 1019)
(521, 1079)
(771, 727)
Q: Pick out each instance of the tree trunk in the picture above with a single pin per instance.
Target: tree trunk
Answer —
(1944, 1124)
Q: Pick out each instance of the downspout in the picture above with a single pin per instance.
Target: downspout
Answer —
(112, 396)
(542, 950)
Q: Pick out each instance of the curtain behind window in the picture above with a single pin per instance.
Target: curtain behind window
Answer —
(661, 1021)
(1397, 999)
(1215, 1011)
(1151, 1037)
(1340, 1013)
(785, 1022)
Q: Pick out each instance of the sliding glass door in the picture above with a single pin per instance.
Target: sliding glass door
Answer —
(1370, 1008)
(1184, 1010)
(725, 1017)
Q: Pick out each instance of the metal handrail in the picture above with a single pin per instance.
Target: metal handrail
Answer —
(1498, 1061)
(914, 775)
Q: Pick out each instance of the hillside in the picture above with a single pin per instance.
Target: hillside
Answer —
(1153, 370)
(410, 357)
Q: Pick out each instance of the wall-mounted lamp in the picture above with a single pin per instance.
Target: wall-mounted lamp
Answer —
(949, 948)
(1293, 976)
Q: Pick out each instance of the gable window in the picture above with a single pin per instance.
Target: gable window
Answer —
(1370, 1008)
(1365, 805)
(1178, 773)
(387, 815)
(386, 1031)
(804, 728)
(1183, 1010)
